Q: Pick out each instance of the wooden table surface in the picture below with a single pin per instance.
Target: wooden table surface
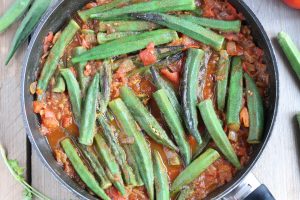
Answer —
(278, 167)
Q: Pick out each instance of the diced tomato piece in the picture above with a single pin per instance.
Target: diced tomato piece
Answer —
(50, 123)
(114, 194)
(172, 76)
(66, 121)
(148, 56)
(37, 106)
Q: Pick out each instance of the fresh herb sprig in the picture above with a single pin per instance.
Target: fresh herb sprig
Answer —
(18, 173)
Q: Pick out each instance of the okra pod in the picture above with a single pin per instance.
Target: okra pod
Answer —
(158, 65)
(189, 85)
(127, 26)
(188, 28)
(161, 178)
(235, 95)
(110, 162)
(206, 138)
(161, 83)
(222, 79)
(55, 54)
(105, 37)
(105, 83)
(133, 164)
(216, 131)
(144, 118)
(185, 193)
(60, 85)
(86, 176)
(152, 6)
(127, 45)
(89, 36)
(193, 171)
(80, 67)
(74, 93)
(94, 162)
(27, 26)
(221, 25)
(173, 120)
(85, 14)
(291, 51)
(256, 111)
(118, 152)
(88, 117)
(160, 53)
(140, 148)
(13, 13)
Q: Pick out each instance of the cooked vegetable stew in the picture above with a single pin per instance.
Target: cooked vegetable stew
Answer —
(152, 99)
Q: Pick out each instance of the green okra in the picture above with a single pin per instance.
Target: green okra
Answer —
(216, 131)
(221, 25)
(291, 51)
(173, 120)
(235, 95)
(85, 14)
(107, 37)
(88, 117)
(55, 54)
(127, 45)
(206, 138)
(160, 53)
(27, 26)
(118, 152)
(83, 172)
(13, 13)
(152, 6)
(60, 85)
(161, 178)
(256, 111)
(189, 85)
(110, 162)
(74, 93)
(222, 79)
(158, 65)
(105, 83)
(96, 165)
(127, 26)
(134, 165)
(139, 148)
(185, 193)
(193, 171)
(144, 118)
(161, 83)
(188, 28)
(80, 67)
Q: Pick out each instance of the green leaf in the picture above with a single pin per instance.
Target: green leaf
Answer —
(14, 164)
(27, 194)
(18, 173)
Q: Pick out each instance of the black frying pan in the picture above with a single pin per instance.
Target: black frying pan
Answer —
(57, 17)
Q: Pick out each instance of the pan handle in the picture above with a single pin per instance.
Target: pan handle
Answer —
(250, 189)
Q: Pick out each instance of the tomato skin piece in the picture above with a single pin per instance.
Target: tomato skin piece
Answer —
(148, 56)
(172, 76)
(293, 3)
